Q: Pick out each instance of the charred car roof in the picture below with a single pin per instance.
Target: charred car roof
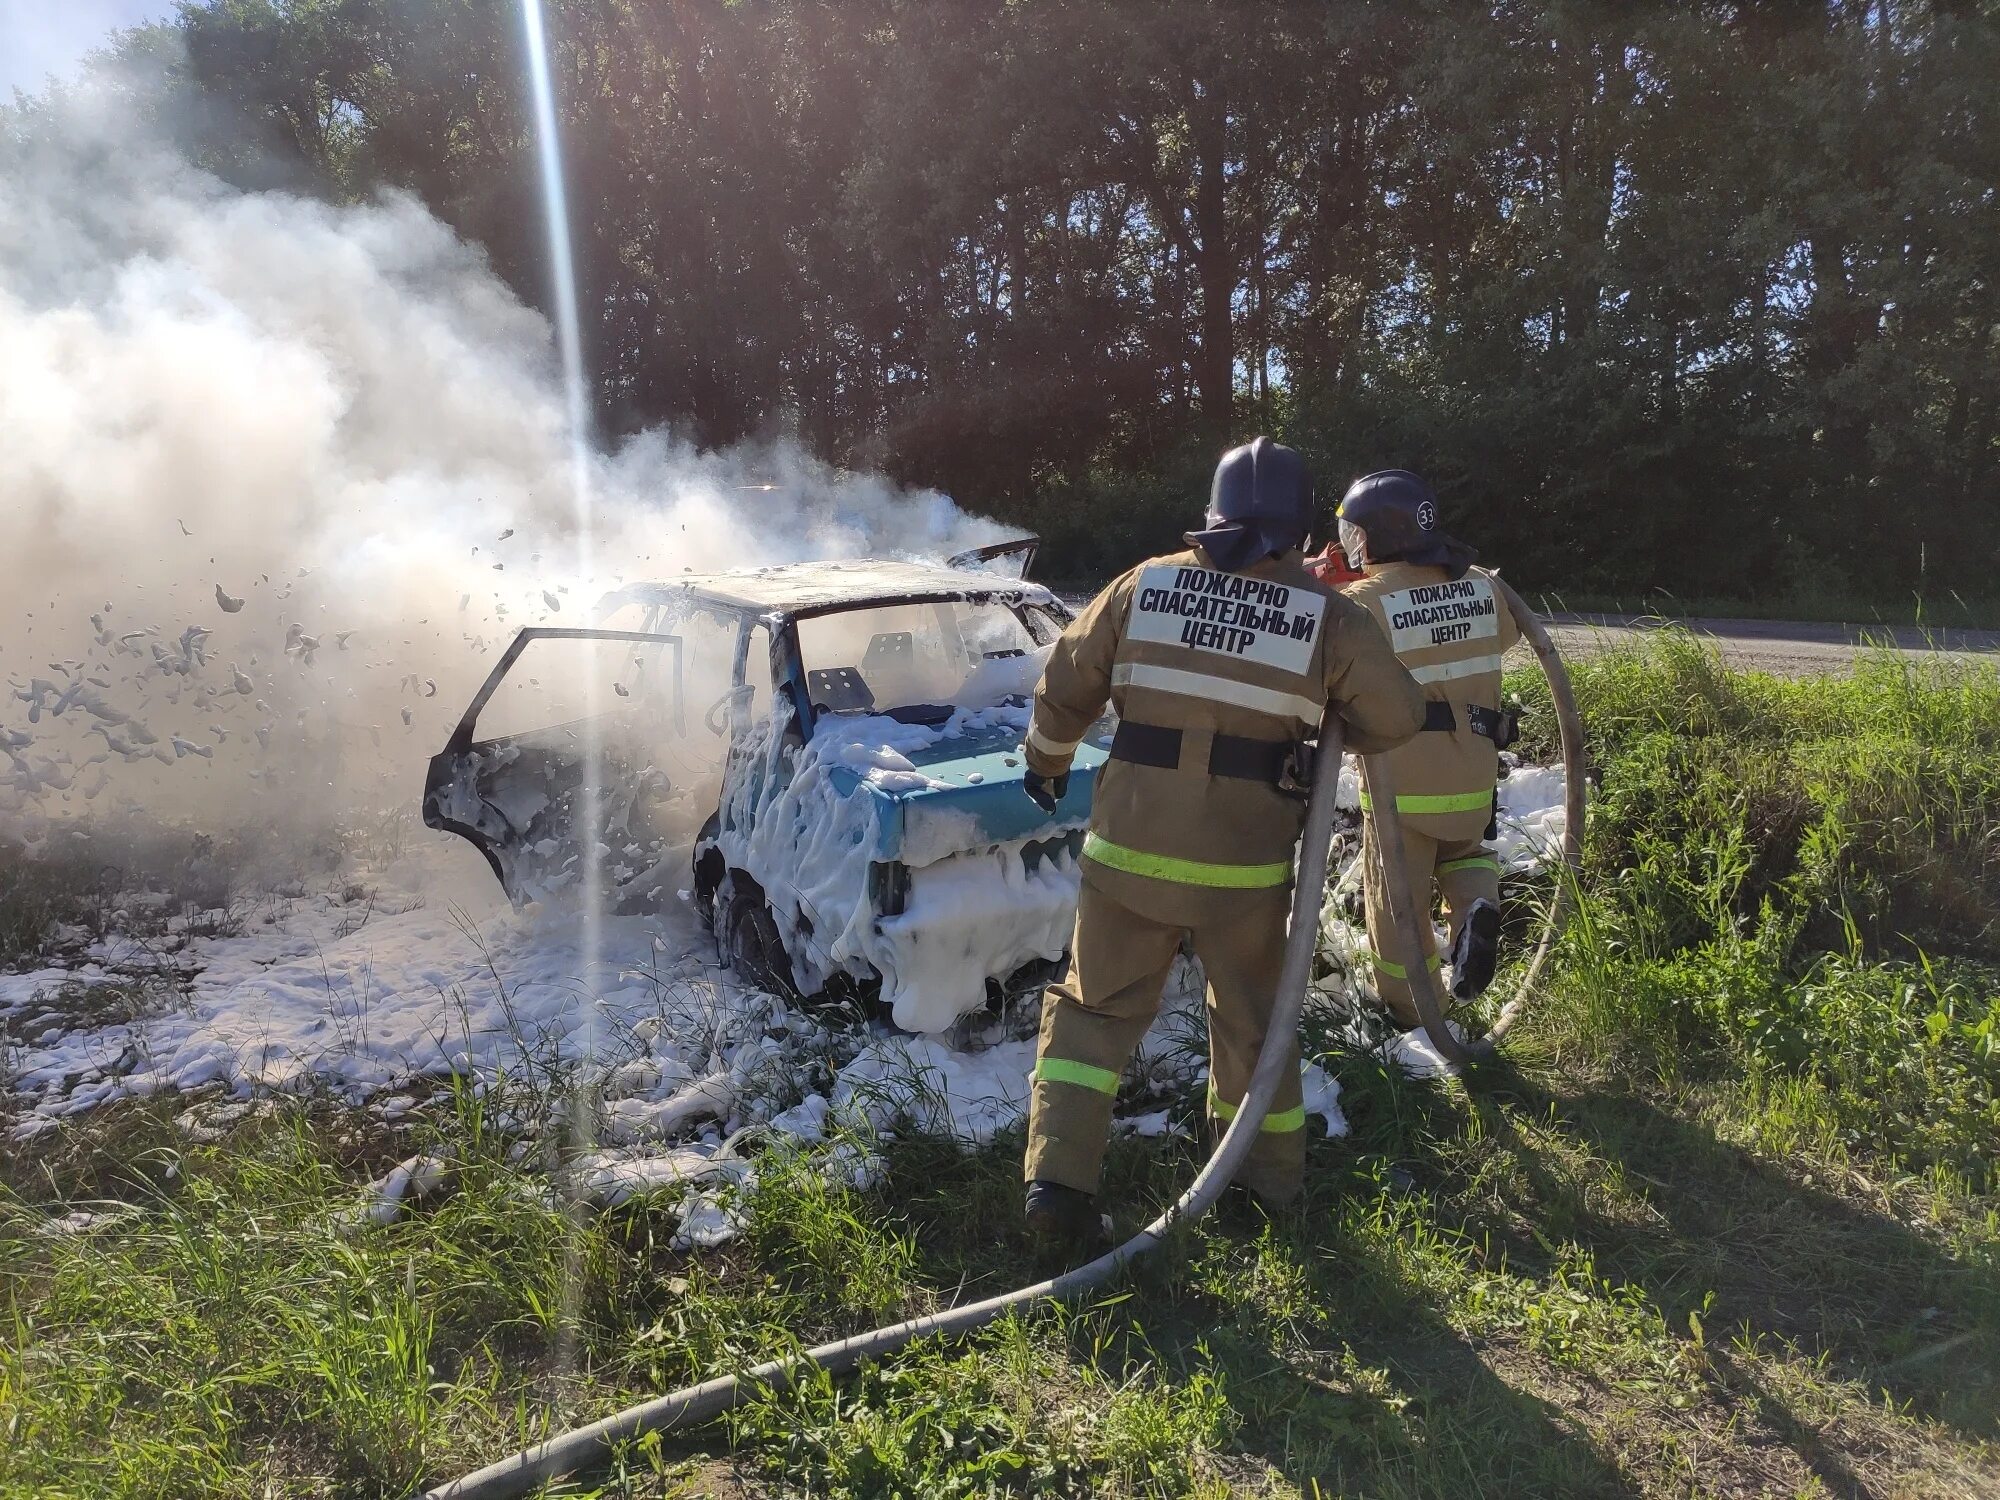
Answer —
(801, 589)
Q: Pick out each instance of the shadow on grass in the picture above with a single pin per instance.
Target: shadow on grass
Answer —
(1331, 1328)
(1385, 1399)
(1887, 1306)
(1378, 1395)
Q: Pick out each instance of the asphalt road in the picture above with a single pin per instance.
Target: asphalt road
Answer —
(1785, 648)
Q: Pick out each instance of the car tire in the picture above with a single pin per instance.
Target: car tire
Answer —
(710, 871)
(754, 948)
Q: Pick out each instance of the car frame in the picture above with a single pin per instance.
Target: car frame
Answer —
(766, 929)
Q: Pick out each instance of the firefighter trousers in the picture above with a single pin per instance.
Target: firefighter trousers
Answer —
(1120, 961)
(1461, 870)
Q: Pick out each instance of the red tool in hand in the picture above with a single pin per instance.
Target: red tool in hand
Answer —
(1330, 566)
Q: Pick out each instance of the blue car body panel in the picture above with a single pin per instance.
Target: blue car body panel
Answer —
(979, 772)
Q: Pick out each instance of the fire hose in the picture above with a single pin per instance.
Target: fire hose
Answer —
(693, 1405)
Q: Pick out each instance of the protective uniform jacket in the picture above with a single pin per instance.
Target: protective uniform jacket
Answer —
(1215, 676)
(1451, 634)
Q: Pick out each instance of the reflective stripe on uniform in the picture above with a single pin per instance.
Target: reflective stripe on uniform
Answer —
(1185, 871)
(1278, 1123)
(1041, 744)
(1083, 1075)
(1471, 862)
(1228, 690)
(1396, 970)
(1446, 671)
(1445, 802)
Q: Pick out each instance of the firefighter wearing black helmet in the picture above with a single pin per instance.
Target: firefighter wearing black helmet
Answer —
(1219, 661)
(1448, 626)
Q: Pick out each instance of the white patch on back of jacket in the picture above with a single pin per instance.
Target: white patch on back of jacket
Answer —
(1233, 615)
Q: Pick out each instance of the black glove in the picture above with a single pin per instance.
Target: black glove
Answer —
(1045, 792)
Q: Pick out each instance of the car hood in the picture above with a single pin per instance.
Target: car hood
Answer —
(963, 792)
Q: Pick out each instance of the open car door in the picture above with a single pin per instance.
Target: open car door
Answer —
(1010, 559)
(510, 779)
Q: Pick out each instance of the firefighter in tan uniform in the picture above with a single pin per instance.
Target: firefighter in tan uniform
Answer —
(1447, 625)
(1219, 661)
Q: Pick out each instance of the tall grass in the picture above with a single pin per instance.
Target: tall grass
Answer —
(1799, 879)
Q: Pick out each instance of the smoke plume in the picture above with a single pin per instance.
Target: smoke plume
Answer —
(277, 478)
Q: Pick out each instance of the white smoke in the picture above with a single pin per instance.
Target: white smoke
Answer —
(332, 414)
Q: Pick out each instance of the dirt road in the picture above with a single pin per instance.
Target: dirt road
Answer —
(1786, 647)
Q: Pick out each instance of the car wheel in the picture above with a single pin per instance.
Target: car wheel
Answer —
(709, 870)
(755, 949)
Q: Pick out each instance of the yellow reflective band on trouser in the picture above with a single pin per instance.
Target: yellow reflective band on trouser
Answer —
(1283, 1121)
(1447, 802)
(1185, 871)
(1083, 1075)
(1396, 970)
(1471, 862)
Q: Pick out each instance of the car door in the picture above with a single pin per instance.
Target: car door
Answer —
(512, 778)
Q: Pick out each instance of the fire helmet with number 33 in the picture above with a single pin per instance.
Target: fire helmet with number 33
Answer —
(1392, 516)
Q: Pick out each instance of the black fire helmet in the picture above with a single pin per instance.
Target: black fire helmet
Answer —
(1261, 505)
(1392, 516)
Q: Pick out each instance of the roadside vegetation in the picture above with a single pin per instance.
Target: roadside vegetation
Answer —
(1722, 1220)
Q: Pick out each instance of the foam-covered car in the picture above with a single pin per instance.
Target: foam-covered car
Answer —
(824, 757)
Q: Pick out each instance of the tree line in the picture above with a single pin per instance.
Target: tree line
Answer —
(1701, 296)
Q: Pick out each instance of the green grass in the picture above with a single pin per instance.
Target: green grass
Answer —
(1798, 883)
(1722, 1220)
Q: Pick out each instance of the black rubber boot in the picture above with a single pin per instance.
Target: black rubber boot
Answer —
(1240, 1209)
(1058, 1213)
(1476, 952)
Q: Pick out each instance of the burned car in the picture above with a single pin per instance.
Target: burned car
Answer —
(826, 755)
